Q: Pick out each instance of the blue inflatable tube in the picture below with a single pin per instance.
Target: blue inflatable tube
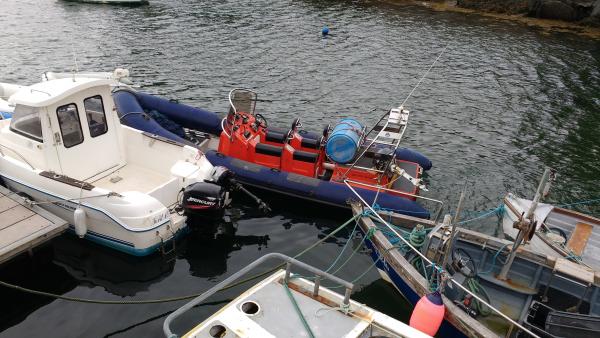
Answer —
(187, 116)
(131, 104)
(310, 188)
(132, 114)
(410, 155)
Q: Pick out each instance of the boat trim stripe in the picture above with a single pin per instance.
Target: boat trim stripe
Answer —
(106, 213)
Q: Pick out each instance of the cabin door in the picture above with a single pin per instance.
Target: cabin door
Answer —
(87, 143)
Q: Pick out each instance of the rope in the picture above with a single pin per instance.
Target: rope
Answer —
(494, 259)
(475, 287)
(75, 199)
(579, 203)
(298, 311)
(440, 269)
(498, 211)
(171, 299)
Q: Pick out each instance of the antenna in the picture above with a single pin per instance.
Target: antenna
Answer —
(76, 70)
(423, 77)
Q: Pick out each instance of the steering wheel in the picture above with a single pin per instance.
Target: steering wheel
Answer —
(260, 120)
(463, 262)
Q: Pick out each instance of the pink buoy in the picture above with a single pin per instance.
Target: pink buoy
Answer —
(428, 314)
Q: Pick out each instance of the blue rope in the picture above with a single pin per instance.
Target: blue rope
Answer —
(494, 260)
(579, 203)
(497, 211)
(344, 248)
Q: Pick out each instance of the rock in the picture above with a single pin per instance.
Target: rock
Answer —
(555, 9)
(596, 9)
(499, 6)
(567, 10)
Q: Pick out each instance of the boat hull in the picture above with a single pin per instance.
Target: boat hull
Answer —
(328, 192)
(103, 227)
(403, 286)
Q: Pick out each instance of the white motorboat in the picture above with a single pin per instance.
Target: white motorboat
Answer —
(66, 150)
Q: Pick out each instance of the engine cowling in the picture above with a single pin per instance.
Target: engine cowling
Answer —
(204, 198)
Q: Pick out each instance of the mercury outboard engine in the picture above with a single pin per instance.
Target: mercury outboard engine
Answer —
(206, 198)
(210, 198)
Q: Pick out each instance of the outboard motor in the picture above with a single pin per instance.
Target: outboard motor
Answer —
(205, 198)
(210, 198)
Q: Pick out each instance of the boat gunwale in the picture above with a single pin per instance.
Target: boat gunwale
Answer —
(454, 315)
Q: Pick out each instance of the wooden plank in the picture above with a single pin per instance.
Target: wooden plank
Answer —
(23, 227)
(579, 238)
(14, 215)
(7, 203)
(30, 241)
(574, 270)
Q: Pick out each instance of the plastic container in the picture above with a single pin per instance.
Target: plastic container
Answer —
(343, 141)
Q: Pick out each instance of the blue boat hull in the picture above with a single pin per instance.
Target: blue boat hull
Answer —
(446, 329)
(311, 188)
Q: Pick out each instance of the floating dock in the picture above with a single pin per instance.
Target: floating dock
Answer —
(23, 227)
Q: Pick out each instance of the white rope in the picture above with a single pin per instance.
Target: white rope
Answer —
(423, 77)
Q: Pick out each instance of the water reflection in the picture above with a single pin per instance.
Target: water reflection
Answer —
(210, 243)
(118, 273)
(36, 272)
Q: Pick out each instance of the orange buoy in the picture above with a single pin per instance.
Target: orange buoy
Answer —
(428, 314)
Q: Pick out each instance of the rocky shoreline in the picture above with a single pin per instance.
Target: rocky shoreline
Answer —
(585, 12)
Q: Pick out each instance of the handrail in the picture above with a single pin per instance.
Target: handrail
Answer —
(18, 154)
(438, 210)
(370, 144)
(439, 269)
(274, 255)
(235, 112)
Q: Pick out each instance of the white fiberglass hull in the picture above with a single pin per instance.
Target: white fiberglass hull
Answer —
(134, 223)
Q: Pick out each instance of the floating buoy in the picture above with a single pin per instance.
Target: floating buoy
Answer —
(80, 222)
(325, 31)
(428, 314)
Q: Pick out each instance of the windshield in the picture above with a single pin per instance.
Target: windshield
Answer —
(26, 121)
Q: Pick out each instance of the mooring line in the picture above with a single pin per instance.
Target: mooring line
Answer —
(171, 299)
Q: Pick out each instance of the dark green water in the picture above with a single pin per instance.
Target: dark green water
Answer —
(503, 102)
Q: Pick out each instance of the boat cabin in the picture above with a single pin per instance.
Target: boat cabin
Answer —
(67, 126)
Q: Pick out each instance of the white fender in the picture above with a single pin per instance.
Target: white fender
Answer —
(80, 220)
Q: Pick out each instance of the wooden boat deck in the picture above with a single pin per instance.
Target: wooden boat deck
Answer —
(23, 227)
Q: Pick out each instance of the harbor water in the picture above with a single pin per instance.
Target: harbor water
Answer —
(504, 101)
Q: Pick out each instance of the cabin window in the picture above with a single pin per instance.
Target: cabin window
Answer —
(70, 127)
(94, 111)
(26, 121)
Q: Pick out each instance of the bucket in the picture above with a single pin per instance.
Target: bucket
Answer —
(343, 141)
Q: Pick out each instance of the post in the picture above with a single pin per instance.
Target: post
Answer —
(448, 247)
(317, 285)
(525, 224)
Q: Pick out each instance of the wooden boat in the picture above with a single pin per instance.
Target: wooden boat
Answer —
(284, 305)
(528, 292)
(559, 232)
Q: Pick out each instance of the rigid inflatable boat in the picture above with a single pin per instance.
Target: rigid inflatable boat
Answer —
(293, 161)
(65, 149)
